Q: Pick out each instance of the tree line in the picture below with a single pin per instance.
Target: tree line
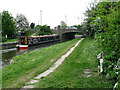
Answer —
(19, 26)
(102, 23)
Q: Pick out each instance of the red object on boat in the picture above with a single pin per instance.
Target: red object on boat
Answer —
(22, 47)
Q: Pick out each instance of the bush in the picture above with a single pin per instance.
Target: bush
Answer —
(109, 43)
(104, 22)
(3, 39)
(43, 33)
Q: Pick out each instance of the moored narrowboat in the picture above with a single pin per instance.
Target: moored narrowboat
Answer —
(25, 42)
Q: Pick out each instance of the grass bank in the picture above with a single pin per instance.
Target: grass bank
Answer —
(79, 70)
(29, 65)
(10, 40)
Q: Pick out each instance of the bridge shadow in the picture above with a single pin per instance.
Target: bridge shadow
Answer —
(69, 34)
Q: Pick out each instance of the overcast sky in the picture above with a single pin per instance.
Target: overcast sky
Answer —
(53, 11)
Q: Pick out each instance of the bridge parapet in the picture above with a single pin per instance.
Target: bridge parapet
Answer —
(70, 30)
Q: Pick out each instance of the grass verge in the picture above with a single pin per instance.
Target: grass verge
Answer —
(10, 40)
(29, 65)
(79, 70)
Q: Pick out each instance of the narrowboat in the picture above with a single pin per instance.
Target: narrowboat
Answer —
(25, 42)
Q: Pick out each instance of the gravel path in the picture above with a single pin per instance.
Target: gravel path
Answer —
(31, 83)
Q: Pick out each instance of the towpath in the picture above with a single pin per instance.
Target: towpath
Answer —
(31, 83)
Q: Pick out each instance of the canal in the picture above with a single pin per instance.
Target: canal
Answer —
(8, 53)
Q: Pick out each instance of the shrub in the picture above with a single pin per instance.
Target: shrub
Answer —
(3, 39)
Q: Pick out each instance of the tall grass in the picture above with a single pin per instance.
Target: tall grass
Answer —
(79, 70)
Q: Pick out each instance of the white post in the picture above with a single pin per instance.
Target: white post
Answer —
(101, 69)
(6, 36)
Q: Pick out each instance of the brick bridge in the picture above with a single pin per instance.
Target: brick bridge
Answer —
(67, 34)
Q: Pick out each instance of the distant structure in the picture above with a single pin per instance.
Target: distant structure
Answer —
(68, 33)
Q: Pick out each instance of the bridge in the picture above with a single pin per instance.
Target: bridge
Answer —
(67, 34)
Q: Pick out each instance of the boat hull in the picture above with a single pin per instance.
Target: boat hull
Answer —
(21, 47)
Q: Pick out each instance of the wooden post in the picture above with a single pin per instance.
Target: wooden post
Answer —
(26, 40)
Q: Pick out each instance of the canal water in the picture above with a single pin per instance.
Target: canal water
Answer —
(8, 53)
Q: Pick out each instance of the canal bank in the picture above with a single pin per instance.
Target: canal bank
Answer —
(8, 45)
(9, 50)
(9, 53)
(29, 65)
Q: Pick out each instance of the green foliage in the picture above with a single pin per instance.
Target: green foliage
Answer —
(43, 33)
(103, 22)
(28, 32)
(97, 19)
(77, 26)
(10, 40)
(8, 24)
(3, 39)
(43, 30)
(109, 42)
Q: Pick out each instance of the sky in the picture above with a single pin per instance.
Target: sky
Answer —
(52, 11)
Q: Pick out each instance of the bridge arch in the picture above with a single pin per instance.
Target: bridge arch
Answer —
(68, 34)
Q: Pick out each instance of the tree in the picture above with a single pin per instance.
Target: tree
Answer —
(77, 26)
(8, 24)
(22, 23)
(43, 30)
(32, 25)
(0, 24)
(63, 25)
